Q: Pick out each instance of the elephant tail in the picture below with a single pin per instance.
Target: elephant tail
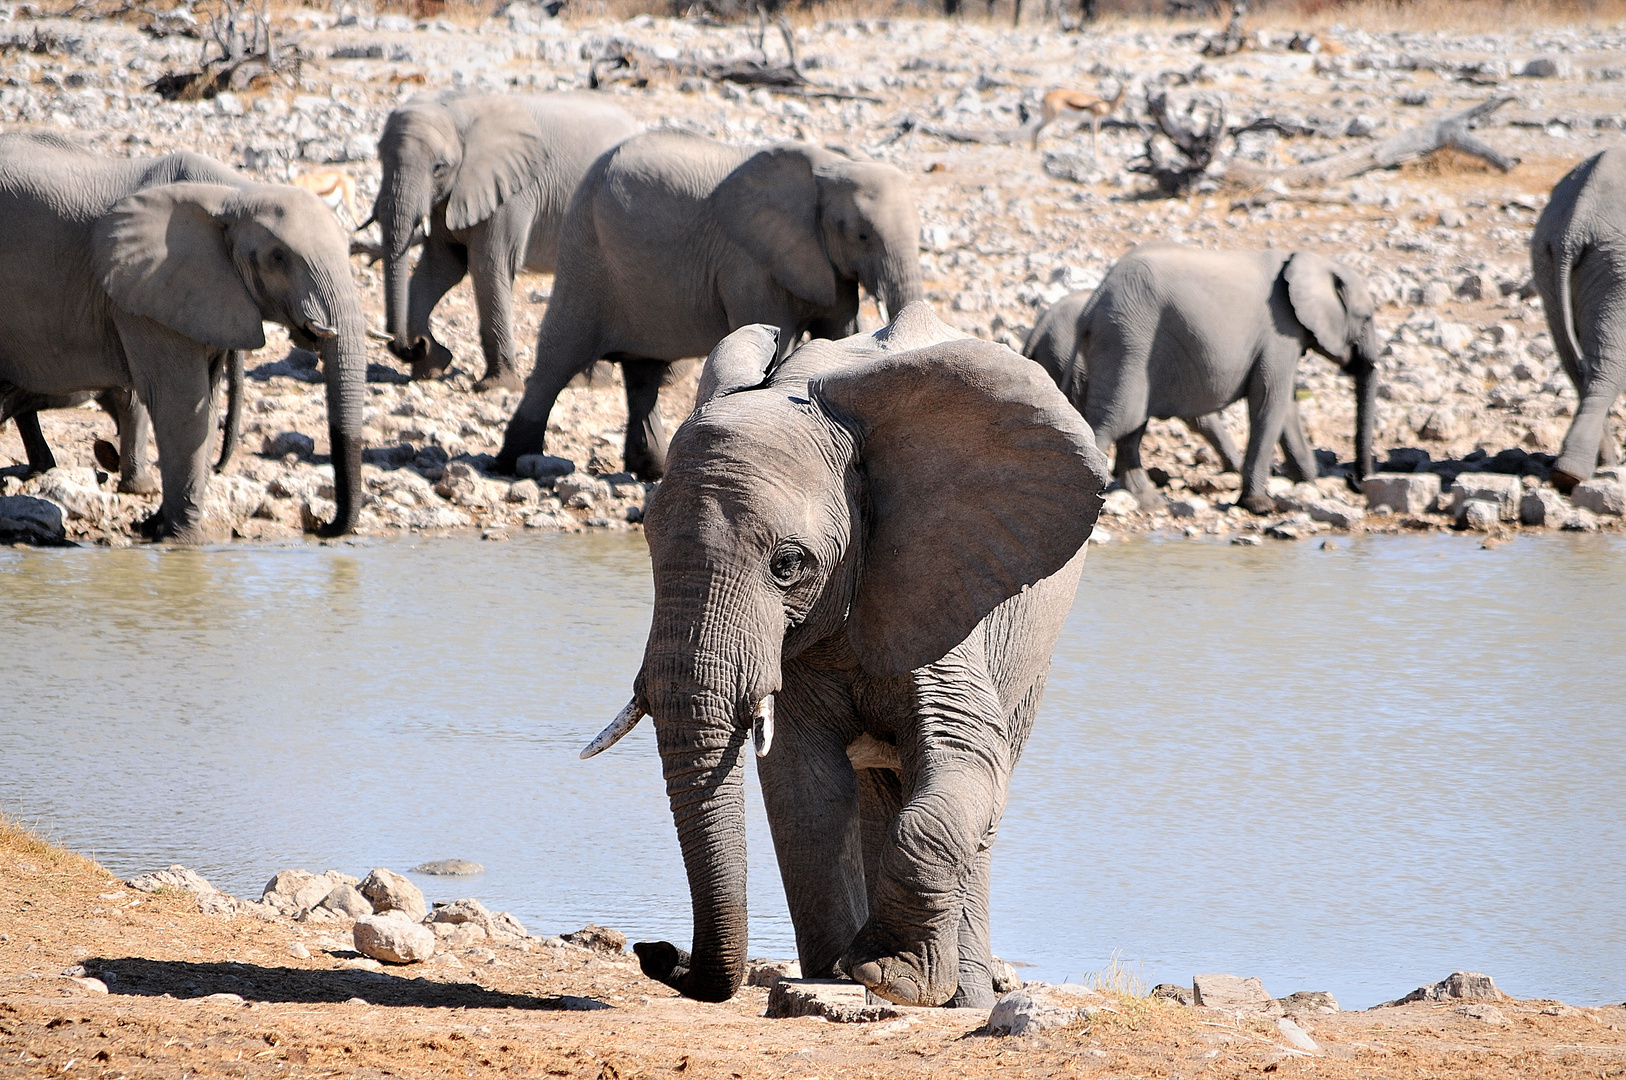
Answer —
(1568, 254)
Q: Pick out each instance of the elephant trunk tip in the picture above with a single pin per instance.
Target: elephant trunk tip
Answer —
(346, 483)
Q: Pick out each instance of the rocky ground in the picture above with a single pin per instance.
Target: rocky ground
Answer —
(161, 976)
(1470, 382)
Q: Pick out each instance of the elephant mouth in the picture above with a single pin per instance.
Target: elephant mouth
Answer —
(635, 710)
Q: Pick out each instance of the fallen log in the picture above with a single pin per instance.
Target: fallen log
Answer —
(1407, 146)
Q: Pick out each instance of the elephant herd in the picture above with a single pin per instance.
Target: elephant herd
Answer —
(864, 545)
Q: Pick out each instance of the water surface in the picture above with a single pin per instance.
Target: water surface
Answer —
(1354, 770)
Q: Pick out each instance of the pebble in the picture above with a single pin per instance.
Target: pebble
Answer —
(298, 951)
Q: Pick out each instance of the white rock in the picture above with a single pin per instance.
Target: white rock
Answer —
(1219, 991)
(1120, 503)
(1189, 507)
(389, 891)
(1040, 1007)
(1296, 1036)
(1403, 493)
(393, 938)
(1601, 496)
(1505, 491)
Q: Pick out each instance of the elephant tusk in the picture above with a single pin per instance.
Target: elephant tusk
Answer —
(378, 335)
(762, 726)
(321, 330)
(625, 721)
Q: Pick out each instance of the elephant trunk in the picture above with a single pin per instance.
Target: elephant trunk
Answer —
(401, 206)
(344, 360)
(1366, 408)
(899, 282)
(704, 692)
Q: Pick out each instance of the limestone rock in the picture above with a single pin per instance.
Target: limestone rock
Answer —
(1296, 1036)
(1488, 1014)
(1120, 503)
(347, 900)
(1005, 978)
(1505, 491)
(1040, 1007)
(1543, 506)
(393, 938)
(1219, 991)
(29, 520)
(1306, 1003)
(1601, 496)
(1459, 985)
(449, 868)
(293, 891)
(389, 891)
(1335, 512)
(77, 492)
(768, 972)
(599, 939)
(470, 912)
(837, 1000)
(1480, 516)
(1180, 995)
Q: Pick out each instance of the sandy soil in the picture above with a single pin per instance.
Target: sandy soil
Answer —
(1006, 230)
(189, 994)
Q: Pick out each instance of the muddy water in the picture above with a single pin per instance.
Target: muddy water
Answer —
(1354, 770)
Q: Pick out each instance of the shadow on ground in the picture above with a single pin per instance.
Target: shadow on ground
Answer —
(183, 979)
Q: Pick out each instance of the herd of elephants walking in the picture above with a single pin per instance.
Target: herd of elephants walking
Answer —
(864, 545)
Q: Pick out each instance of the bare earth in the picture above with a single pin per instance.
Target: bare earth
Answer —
(189, 994)
(1006, 231)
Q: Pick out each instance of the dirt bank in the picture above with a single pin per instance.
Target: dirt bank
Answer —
(194, 994)
(1470, 371)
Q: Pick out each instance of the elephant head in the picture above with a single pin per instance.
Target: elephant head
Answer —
(1335, 308)
(823, 225)
(468, 153)
(212, 262)
(883, 507)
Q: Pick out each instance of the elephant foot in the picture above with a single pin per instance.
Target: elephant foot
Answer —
(903, 979)
(972, 997)
(150, 526)
(1257, 504)
(645, 468)
(142, 483)
(106, 455)
(433, 358)
(503, 378)
(1152, 500)
(1564, 480)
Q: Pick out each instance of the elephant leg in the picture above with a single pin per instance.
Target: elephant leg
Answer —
(441, 266)
(1588, 432)
(134, 424)
(646, 441)
(955, 775)
(493, 261)
(1127, 466)
(811, 796)
(1268, 410)
(1211, 426)
(1300, 459)
(38, 451)
(976, 989)
(178, 391)
(567, 343)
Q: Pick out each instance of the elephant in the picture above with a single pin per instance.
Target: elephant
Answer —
(130, 419)
(1053, 344)
(493, 174)
(862, 558)
(674, 240)
(140, 283)
(1578, 259)
(1175, 330)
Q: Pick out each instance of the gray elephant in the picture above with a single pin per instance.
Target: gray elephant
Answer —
(674, 240)
(1578, 255)
(130, 420)
(1053, 344)
(1181, 331)
(862, 561)
(493, 174)
(149, 285)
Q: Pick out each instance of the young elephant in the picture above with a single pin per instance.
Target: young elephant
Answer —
(1578, 255)
(493, 173)
(151, 287)
(1053, 345)
(861, 565)
(1181, 331)
(674, 240)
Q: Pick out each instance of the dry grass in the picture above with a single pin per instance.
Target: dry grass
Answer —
(1119, 978)
(26, 845)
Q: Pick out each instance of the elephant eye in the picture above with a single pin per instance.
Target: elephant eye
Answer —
(442, 168)
(786, 564)
(279, 257)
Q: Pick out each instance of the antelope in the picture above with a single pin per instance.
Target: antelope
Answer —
(334, 187)
(1074, 104)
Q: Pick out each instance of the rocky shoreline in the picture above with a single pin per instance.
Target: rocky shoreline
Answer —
(1470, 383)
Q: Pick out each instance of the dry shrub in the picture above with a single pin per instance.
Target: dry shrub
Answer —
(26, 845)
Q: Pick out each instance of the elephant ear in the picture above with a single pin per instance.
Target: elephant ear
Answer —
(502, 153)
(162, 254)
(739, 361)
(981, 480)
(770, 207)
(1328, 299)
